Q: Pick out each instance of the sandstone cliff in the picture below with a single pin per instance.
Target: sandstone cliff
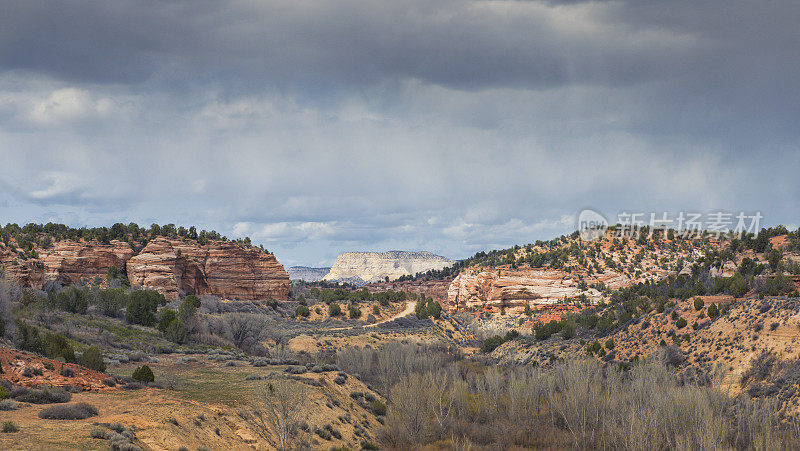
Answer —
(66, 262)
(506, 287)
(376, 266)
(223, 269)
(170, 266)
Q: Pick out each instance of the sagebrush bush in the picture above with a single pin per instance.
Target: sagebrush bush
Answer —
(77, 411)
(8, 404)
(40, 396)
(9, 427)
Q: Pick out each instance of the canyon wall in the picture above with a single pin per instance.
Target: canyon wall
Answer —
(367, 267)
(506, 287)
(170, 266)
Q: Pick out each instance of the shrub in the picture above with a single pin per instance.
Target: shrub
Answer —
(40, 396)
(303, 311)
(77, 411)
(28, 338)
(334, 309)
(610, 344)
(98, 432)
(72, 299)
(114, 275)
(93, 359)
(491, 343)
(355, 312)
(176, 332)
(55, 345)
(4, 392)
(111, 301)
(568, 331)
(8, 404)
(713, 311)
(671, 355)
(189, 307)
(167, 317)
(593, 348)
(67, 372)
(378, 408)
(434, 309)
(698, 303)
(427, 308)
(144, 374)
(680, 323)
(9, 427)
(142, 307)
(376, 310)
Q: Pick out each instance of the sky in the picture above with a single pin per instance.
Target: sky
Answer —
(320, 127)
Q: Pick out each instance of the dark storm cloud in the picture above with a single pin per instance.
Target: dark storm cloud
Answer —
(324, 126)
(454, 43)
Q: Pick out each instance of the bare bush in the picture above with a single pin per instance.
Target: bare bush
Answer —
(384, 367)
(277, 412)
(645, 408)
(244, 330)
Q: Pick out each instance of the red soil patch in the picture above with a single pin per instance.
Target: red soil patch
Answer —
(15, 362)
(779, 241)
(545, 313)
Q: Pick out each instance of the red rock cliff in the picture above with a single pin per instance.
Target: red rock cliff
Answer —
(169, 266)
(223, 269)
(506, 287)
(66, 262)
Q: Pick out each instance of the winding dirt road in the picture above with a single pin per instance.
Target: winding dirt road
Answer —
(410, 305)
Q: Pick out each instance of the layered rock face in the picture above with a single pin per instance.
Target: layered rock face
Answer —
(308, 274)
(66, 262)
(223, 269)
(28, 273)
(69, 262)
(506, 287)
(376, 266)
(171, 267)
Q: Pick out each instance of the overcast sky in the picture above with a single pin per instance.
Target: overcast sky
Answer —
(319, 127)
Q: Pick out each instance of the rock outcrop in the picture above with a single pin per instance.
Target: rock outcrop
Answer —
(308, 274)
(69, 262)
(223, 269)
(66, 262)
(376, 266)
(506, 287)
(170, 266)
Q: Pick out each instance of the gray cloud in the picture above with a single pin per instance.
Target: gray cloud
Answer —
(320, 127)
